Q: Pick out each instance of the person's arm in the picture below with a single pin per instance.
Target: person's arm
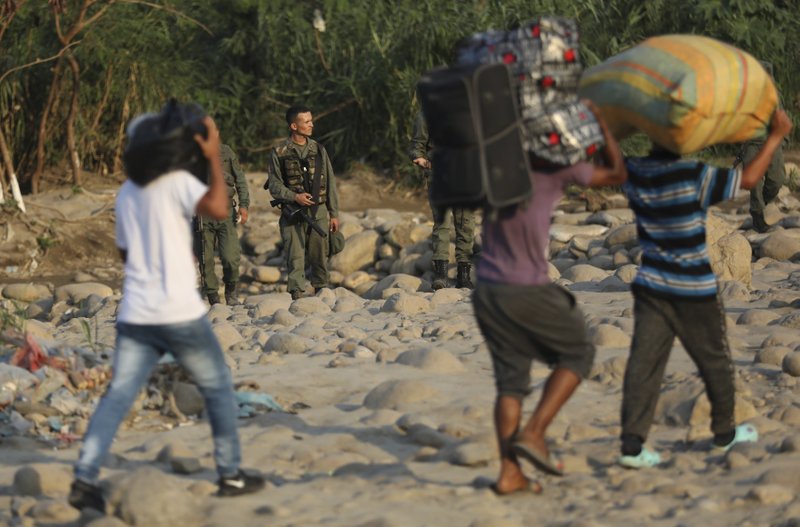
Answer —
(242, 191)
(420, 141)
(214, 203)
(333, 194)
(779, 127)
(613, 172)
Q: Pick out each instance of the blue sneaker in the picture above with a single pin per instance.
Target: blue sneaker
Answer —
(645, 459)
(744, 434)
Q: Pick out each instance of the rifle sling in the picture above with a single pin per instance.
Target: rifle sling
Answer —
(316, 184)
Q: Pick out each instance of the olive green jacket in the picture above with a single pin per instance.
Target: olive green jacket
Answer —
(420, 140)
(234, 177)
(277, 182)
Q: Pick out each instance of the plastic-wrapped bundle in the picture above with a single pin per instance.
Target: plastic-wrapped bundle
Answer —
(545, 47)
(686, 92)
(544, 59)
(565, 134)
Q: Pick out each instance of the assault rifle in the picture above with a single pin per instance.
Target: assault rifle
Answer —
(295, 212)
(201, 253)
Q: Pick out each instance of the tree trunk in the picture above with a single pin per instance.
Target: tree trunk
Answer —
(42, 137)
(72, 149)
(126, 111)
(9, 167)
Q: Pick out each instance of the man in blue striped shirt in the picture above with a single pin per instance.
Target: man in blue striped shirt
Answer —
(675, 291)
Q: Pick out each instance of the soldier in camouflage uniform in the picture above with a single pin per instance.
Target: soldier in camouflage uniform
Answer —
(768, 186)
(463, 219)
(221, 235)
(292, 170)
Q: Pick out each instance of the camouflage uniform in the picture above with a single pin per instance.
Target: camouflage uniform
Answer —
(286, 179)
(463, 220)
(767, 188)
(221, 235)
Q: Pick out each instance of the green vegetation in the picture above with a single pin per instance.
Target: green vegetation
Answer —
(13, 316)
(45, 242)
(73, 72)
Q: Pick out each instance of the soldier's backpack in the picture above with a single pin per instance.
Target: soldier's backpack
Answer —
(474, 124)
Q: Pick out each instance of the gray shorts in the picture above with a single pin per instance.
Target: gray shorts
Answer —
(523, 323)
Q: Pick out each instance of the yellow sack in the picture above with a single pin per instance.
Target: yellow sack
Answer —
(686, 92)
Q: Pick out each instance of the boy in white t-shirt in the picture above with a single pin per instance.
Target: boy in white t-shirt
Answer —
(161, 309)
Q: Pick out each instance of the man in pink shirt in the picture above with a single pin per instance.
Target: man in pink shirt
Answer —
(524, 316)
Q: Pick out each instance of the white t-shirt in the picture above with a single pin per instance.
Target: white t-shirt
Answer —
(154, 227)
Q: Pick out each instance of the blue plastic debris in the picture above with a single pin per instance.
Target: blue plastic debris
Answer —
(257, 399)
(54, 423)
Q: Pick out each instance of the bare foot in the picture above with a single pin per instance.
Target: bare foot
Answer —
(526, 485)
(512, 480)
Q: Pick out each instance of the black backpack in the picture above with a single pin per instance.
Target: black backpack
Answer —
(474, 124)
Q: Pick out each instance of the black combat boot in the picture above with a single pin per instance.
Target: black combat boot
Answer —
(759, 223)
(213, 298)
(439, 274)
(464, 278)
(230, 295)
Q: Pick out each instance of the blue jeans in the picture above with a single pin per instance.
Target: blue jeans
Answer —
(139, 348)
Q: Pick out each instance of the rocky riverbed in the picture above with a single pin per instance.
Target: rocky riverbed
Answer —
(370, 404)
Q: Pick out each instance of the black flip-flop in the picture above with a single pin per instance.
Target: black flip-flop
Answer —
(538, 459)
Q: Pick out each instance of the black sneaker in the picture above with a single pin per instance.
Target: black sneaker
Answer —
(240, 484)
(84, 495)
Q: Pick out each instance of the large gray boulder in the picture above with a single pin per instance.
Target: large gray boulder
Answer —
(584, 273)
(564, 233)
(405, 303)
(624, 235)
(358, 253)
(27, 292)
(729, 251)
(42, 479)
(400, 394)
(74, 293)
(407, 233)
(149, 497)
(433, 360)
(780, 246)
(226, 334)
(405, 282)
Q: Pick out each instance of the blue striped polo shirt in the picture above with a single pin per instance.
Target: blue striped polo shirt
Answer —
(670, 197)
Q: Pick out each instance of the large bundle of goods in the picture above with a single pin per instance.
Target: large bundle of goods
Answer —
(473, 121)
(544, 58)
(159, 143)
(686, 92)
